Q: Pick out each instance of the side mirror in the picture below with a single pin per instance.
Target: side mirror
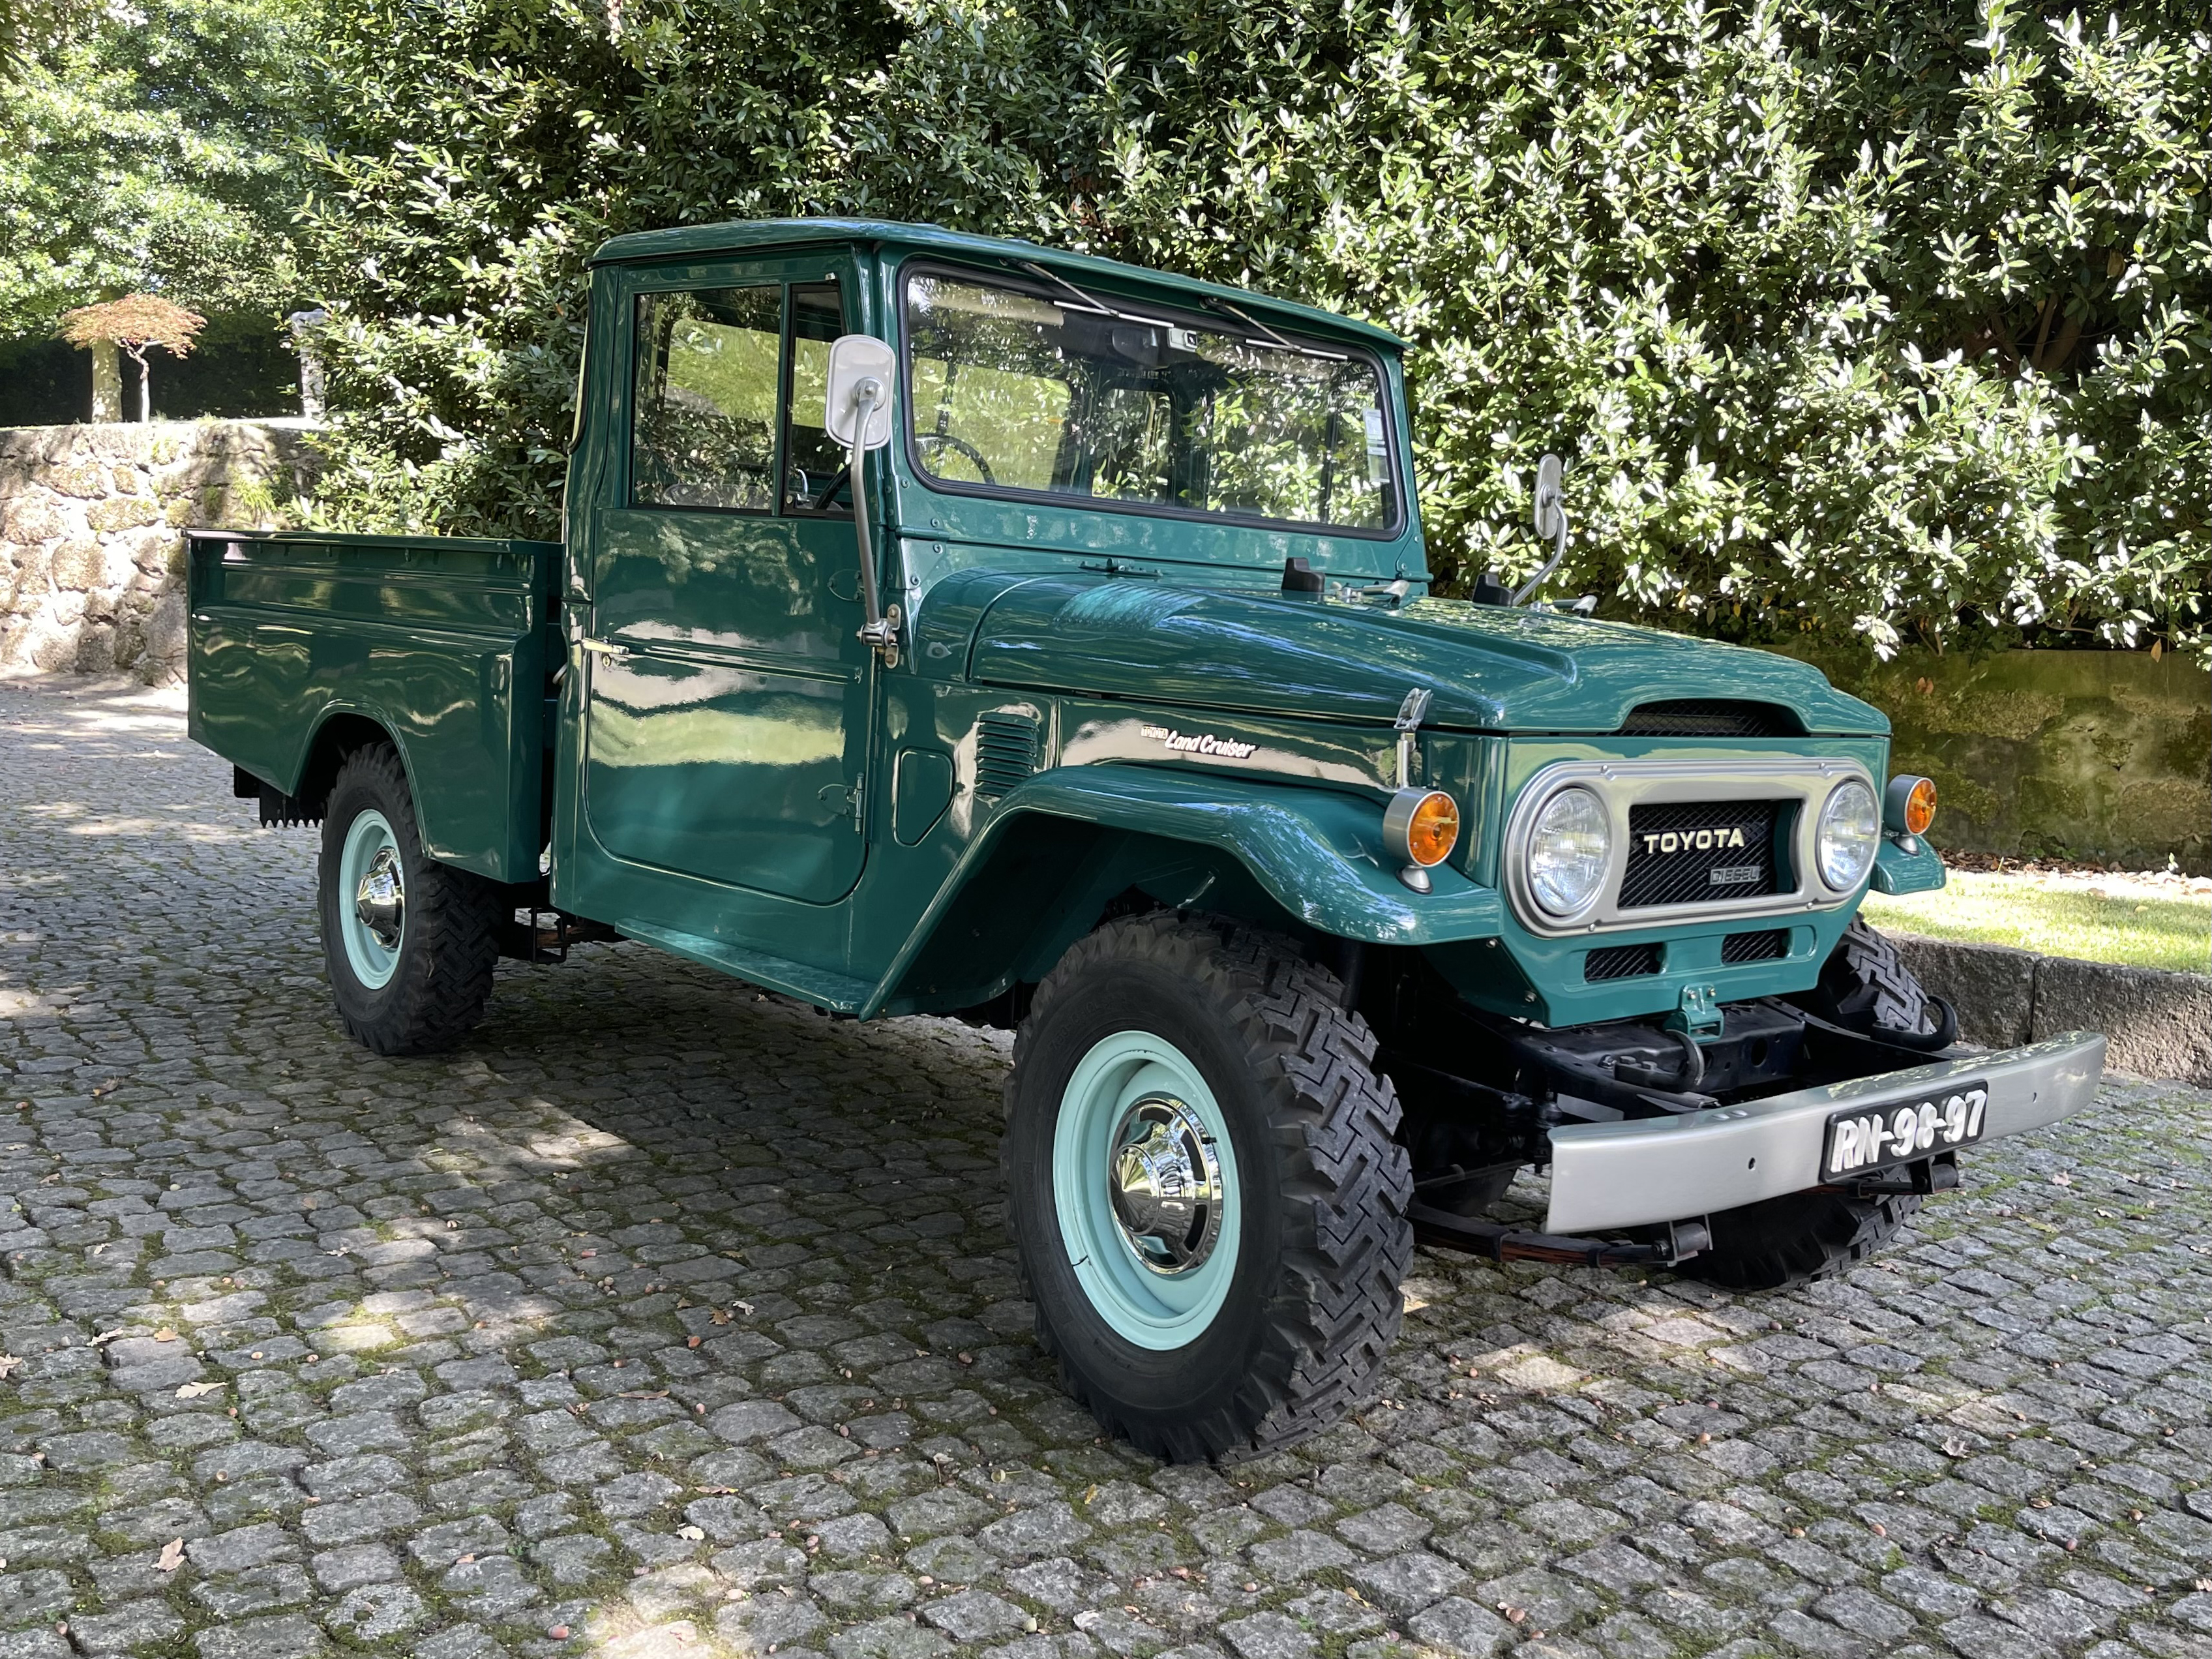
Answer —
(1551, 521)
(1551, 499)
(857, 413)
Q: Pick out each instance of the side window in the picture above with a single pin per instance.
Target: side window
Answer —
(813, 466)
(703, 415)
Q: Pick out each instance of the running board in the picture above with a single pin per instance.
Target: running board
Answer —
(840, 993)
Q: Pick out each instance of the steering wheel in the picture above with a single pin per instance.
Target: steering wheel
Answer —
(820, 501)
(963, 446)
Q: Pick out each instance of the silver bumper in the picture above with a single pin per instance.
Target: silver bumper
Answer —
(1639, 1170)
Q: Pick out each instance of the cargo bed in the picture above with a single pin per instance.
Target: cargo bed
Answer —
(301, 642)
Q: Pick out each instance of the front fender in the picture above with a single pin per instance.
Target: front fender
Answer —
(1317, 853)
(1897, 872)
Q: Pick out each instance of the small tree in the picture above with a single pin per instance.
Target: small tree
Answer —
(135, 322)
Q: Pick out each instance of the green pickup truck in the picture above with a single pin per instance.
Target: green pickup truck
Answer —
(949, 625)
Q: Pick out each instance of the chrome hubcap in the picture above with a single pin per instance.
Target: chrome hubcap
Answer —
(380, 903)
(1164, 1179)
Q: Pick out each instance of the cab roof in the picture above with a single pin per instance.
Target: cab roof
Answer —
(745, 235)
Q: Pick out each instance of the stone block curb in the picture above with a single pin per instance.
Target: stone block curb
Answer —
(2159, 1023)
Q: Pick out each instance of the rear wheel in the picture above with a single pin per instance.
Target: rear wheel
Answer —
(411, 943)
(1205, 1188)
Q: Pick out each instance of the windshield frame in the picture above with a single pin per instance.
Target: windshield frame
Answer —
(1182, 316)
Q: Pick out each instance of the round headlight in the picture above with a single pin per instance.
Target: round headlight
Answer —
(1568, 846)
(1849, 829)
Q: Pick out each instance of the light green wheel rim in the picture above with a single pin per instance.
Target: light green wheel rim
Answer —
(370, 888)
(1129, 1082)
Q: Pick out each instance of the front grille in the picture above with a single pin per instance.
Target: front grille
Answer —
(1676, 852)
(1005, 753)
(1621, 961)
(1710, 718)
(1764, 946)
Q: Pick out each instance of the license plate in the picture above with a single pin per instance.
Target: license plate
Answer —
(1876, 1137)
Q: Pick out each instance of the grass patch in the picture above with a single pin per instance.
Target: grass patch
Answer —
(2140, 924)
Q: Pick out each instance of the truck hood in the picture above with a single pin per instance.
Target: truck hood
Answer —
(1487, 668)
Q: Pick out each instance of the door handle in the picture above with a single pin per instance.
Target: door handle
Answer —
(602, 648)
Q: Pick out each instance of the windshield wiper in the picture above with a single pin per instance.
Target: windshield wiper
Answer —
(1280, 341)
(1086, 301)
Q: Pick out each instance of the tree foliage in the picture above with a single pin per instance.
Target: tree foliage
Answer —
(1878, 317)
(150, 148)
(137, 323)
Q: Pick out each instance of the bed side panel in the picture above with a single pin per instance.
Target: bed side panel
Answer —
(441, 640)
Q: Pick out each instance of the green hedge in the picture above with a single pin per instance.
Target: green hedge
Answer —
(1884, 322)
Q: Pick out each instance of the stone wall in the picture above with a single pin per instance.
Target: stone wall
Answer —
(91, 556)
(2159, 1023)
(2104, 755)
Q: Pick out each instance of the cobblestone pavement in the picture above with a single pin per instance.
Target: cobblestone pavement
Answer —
(668, 1319)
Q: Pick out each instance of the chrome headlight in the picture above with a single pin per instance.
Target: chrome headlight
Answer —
(1568, 846)
(1849, 832)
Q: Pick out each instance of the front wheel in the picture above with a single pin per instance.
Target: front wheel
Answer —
(1798, 1238)
(411, 943)
(1205, 1188)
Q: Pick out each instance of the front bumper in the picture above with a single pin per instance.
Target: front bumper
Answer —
(1649, 1169)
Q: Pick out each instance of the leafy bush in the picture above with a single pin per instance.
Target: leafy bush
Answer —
(1890, 321)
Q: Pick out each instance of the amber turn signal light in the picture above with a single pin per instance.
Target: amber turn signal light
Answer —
(1908, 805)
(1420, 827)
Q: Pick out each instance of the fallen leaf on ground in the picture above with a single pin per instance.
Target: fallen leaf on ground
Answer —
(173, 1555)
(197, 1390)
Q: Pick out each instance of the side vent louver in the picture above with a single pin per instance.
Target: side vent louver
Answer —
(1005, 753)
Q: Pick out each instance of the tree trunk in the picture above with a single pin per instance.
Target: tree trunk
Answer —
(145, 392)
(106, 382)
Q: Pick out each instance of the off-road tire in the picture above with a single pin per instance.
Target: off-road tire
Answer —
(1314, 1304)
(1865, 985)
(1797, 1237)
(450, 944)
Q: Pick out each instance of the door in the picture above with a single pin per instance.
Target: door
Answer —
(727, 723)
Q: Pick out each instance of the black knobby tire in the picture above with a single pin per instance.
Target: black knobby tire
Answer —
(1314, 1304)
(1798, 1237)
(449, 944)
(1865, 985)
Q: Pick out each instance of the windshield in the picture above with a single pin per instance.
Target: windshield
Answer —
(1009, 390)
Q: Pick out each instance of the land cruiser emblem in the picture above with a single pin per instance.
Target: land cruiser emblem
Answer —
(1691, 840)
(1201, 743)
